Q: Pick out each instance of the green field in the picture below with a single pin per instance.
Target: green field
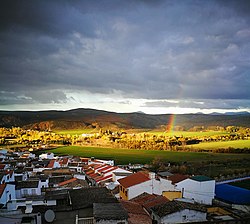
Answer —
(125, 156)
(173, 133)
(215, 145)
(190, 133)
(243, 184)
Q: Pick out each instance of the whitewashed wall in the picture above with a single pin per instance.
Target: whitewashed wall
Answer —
(202, 192)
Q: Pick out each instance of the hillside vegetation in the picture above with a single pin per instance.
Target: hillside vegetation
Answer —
(91, 119)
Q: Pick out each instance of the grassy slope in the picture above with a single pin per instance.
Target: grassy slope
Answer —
(174, 133)
(243, 184)
(190, 133)
(125, 156)
(226, 144)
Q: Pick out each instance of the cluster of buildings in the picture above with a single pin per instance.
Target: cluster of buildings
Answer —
(67, 189)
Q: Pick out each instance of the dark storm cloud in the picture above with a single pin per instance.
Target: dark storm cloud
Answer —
(143, 49)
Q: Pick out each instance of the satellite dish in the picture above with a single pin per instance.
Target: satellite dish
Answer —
(49, 215)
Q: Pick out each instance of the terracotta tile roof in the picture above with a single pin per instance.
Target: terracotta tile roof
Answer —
(136, 213)
(99, 167)
(109, 170)
(139, 219)
(2, 166)
(65, 161)
(176, 206)
(176, 178)
(133, 207)
(133, 179)
(104, 178)
(94, 175)
(2, 187)
(51, 163)
(158, 200)
(90, 172)
(150, 200)
(105, 167)
(85, 160)
(67, 181)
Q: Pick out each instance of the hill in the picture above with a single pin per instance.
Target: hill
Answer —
(90, 118)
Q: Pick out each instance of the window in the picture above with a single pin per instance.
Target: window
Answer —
(33, 191)
(126, 193)
(25, 192)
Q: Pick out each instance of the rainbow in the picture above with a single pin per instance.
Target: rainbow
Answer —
(170, 125)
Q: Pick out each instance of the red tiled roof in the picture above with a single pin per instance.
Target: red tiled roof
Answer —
(176, 178)
(99, 167)
(2, 166)
(109, 170)
(136, 213)
(150, 200)
(67, 181)
(2, 187)
(133, 179)
(106, 167)
(85, 160)
(51, 163)
(133, 207)
(104, 178)
(65, 161)
(90, 172)
(143, 198)
(158, 200)
(94, 175)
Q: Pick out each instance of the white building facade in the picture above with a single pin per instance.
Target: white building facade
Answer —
(200, 189)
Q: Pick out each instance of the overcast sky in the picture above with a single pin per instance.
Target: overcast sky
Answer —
(121, 55)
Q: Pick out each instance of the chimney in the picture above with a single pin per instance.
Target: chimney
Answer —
(151, 175)
(28, 207)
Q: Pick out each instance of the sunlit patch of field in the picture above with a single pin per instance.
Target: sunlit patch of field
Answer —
(125, 156)
(237, 144)
(190, 133)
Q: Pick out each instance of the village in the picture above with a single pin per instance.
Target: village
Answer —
(67, 189)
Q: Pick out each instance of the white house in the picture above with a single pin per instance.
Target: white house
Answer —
(200, 189)
(137, 183)
(49, 155)
(28, 188)
(7, 193)
(178, 212)
(7, 176)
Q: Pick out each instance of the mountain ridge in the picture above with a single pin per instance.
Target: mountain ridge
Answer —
(92, 118)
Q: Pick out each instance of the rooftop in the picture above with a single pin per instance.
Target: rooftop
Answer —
(176, 206)
(176, 178)
(149, 200)
(200, 178)
(27, 184)
(133, 179)
(109, 211)
(85, 197)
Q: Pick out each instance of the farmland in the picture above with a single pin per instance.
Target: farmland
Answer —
(239, 144)
(125, 156)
